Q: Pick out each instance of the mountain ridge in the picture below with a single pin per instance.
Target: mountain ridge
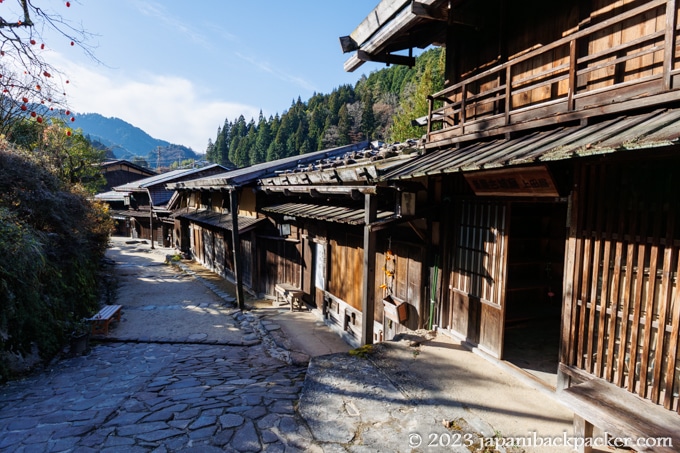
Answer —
(127, 141)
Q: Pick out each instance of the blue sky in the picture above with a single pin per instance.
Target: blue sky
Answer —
(178, 69)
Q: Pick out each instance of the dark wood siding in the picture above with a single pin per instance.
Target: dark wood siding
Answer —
(622, 303)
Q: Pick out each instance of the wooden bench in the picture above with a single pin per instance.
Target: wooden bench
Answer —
(100, 322)
(290, 294)
(620, 414)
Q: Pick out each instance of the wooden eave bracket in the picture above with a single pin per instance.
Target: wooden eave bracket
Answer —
(387, 58)
(428, 12)
(348, 44)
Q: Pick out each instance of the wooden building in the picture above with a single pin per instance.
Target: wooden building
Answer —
(145, 212)
(206, 228)
(119, 172)
(551, 165)
(355, 246)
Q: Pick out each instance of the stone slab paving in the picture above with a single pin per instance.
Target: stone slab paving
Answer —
(157, 397)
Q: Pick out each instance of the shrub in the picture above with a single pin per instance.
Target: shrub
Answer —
(52, 240)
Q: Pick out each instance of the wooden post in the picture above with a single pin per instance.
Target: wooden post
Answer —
(236, 244)
(368, 296)
(669, 43)
(151, 220)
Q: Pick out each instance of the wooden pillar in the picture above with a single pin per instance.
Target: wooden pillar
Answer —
(669, 44)
(368, 296)
(236, 243)
(151, 219)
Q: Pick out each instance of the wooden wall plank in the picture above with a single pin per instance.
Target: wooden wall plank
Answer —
(606, 283)
(595, 231)
(649, 302)
(637, 303)
(587, 272)
(665, 294)
(673, 343)
(627, 294)
(615, 293)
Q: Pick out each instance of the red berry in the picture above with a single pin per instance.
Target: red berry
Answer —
(42, 46)
(68, 112)
(72, 43)
(25, 99)
(33, 114)
(39, 119)
(68, 4)
(33, 42)
(72, 119)
(68, 133)
(24, 108)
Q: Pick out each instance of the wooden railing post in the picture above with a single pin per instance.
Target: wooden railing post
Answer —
(573, 70)
(430, 107)
(463, 106)
(669, 43)
(508, 92)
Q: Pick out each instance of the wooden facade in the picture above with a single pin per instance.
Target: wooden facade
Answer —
(343, 245)
(554, 150)
(119, 172)
(621, 300)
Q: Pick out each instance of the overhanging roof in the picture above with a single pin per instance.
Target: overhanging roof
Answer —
(165, 178)
(218, 220)
(337, 214)
(396, 25)
(111, 196)
(650, 130)
(351, 169)
(252, 173)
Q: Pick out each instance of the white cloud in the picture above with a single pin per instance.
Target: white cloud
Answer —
(281, 75)
(166, 107)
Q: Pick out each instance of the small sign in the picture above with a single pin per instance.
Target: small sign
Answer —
(513, 182)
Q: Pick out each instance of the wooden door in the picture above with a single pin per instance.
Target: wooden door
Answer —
(477, 289)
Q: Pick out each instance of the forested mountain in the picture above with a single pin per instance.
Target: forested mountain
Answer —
(126, 141)
(379, 107)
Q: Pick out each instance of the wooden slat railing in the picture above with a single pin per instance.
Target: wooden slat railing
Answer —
(567, 83)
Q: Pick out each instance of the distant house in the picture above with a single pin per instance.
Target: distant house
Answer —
(140, 207)
(119, 172)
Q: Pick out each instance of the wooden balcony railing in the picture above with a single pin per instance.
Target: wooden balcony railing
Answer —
(625, 62)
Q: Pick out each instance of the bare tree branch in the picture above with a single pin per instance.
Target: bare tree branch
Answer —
(27, 80)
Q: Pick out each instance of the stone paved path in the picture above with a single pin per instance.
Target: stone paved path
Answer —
(183, 371)
(157, 397)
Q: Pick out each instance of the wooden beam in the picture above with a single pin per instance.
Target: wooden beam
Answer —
(428, 11)
(380, 33)
(348, 44)
(387, 58)
(669, 44)
(236, 244)
(368, 287)
(376, 19)
(321, 190)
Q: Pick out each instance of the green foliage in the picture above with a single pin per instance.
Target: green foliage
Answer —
(66, 153)
(348, 114)
(427, 80)
(52, 239)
